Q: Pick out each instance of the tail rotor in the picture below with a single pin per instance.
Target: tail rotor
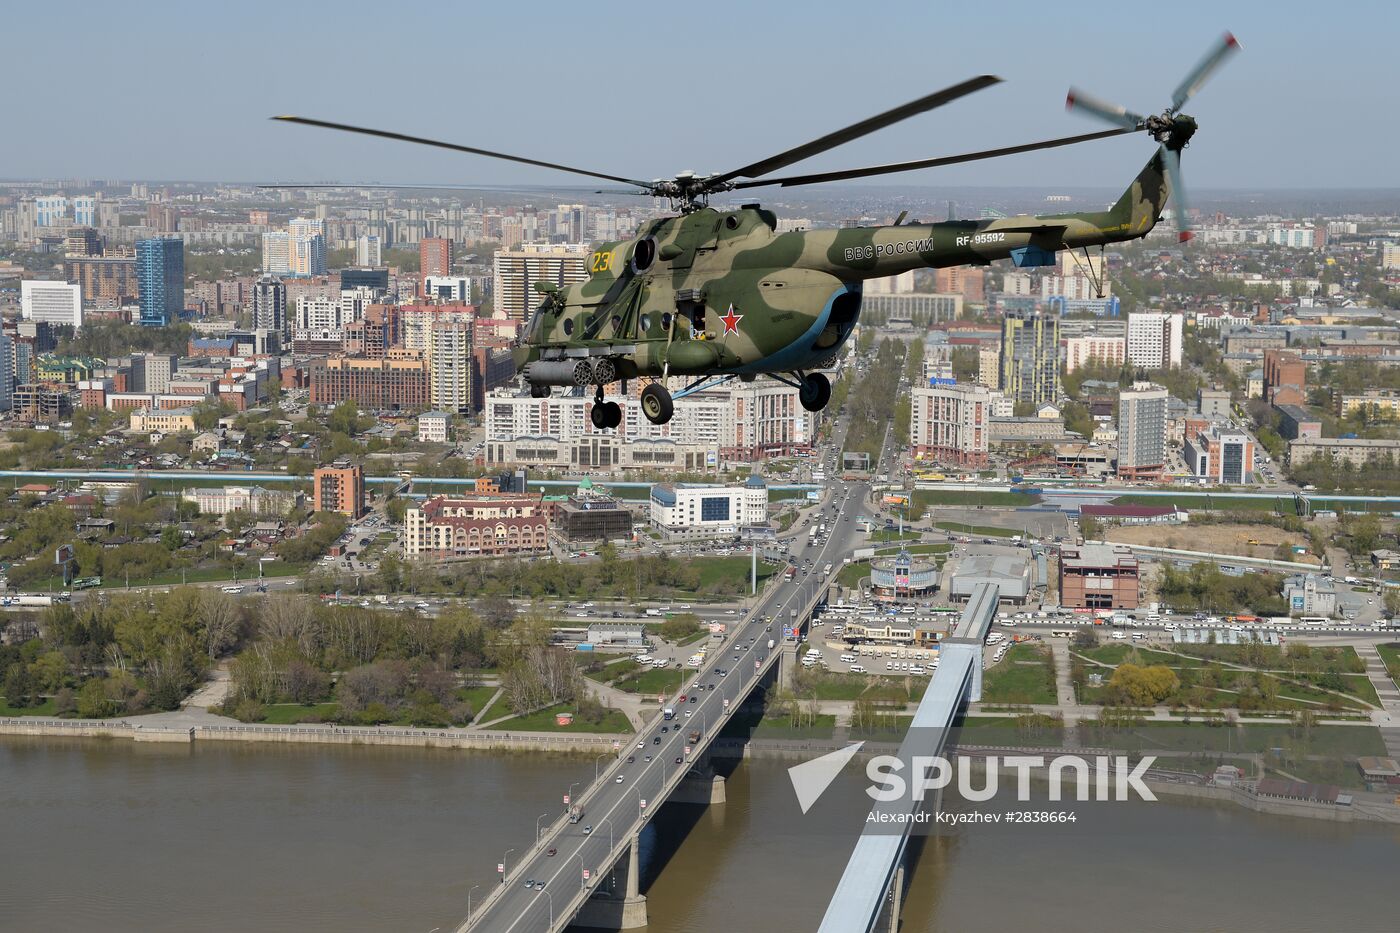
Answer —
(1172, 129)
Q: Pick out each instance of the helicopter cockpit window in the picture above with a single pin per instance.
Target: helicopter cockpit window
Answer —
(643, 255)
(532, 332)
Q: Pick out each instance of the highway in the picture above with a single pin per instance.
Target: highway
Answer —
(626, 792)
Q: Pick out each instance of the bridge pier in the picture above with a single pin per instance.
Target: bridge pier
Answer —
(702, 786)
(787, 665)
(896, 897)
(606, 911)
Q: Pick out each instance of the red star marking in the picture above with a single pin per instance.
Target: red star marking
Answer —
(731, 321)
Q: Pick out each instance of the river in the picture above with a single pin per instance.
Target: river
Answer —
(115, 836)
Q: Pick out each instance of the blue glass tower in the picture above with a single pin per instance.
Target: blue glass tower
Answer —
(160, 277)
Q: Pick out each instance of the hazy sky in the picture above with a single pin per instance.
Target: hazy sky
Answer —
(182, 90)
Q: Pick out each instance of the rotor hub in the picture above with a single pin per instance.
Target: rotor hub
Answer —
(1173, 130)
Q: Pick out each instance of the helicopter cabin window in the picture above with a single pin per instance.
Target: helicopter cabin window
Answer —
(644, 254)
(568, 326)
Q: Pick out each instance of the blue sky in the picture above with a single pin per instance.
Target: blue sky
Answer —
(183, 90)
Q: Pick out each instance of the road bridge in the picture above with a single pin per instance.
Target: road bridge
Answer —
(573, 859)
(874, 875)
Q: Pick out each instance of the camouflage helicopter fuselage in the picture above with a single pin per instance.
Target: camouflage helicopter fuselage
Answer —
(720, 293)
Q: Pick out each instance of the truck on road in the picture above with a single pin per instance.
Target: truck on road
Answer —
(669, 713)
(575, 813)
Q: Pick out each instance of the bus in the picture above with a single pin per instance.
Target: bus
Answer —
(87, 583)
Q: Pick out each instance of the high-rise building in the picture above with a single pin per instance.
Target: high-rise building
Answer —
(270, 305)
(434, 257)
(276, 253)
(1142, 431)
(301, 252)
(306, 254)
(110, 278)
(339, 489)
(450, 366)
(85, 211)
(162, 218)
(51, 211)
(58, 303)
(518, 270)
(948, 423)
(160, 278)
(7, 372)
(1030, 355)
(1154, 339)
(967, 281)
(989, 367)
(1099, 351)
(368, 251)
(82, 241)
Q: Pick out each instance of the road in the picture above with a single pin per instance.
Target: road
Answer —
(616, 800)
(613, 806)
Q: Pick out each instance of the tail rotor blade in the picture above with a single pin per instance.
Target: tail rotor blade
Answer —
(1198, 76)
(1179, 205)
(1111, 113)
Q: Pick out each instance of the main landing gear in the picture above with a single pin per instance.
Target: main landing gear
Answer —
(814, 391)
(657, 404)
(605, 415)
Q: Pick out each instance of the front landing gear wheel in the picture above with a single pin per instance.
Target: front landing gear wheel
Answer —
(657, 404)
(815, 391)
(606, 415)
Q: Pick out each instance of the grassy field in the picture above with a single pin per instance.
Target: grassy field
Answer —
(1025, 675)
(973, 498)
(1114, 654)
(851, 574)
(714, 569)
(653, 682)
(886, 727)
(1390, 654)
(779, 727)
(476, 697)
(543, 721)
(1222, 503)
(986, 531)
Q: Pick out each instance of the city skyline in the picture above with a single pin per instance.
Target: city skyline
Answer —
(214, 126)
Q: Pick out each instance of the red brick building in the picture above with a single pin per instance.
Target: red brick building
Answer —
(380, 384)
(339, 489)
(1098, 576)
(434, 257)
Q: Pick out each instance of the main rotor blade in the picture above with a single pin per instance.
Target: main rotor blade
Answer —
(822, 177)
(857, 130)
(1203, 70)
(523, 189)
(1112, 113)
(401, 137)
(1179, 205)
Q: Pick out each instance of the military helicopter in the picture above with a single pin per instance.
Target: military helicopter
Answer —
(719, 295)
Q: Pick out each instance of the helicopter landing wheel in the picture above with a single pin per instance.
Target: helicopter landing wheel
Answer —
(815, 391)
(605, 415)
(539, 391)
(657, 404)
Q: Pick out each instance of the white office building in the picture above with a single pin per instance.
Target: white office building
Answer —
(369, 252)
(432, 427)
(59, 303)
(449, 367)
(1154, 339)
(448, 288)
(682, 511)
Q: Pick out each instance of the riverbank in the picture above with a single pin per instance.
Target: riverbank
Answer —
(482, 740)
